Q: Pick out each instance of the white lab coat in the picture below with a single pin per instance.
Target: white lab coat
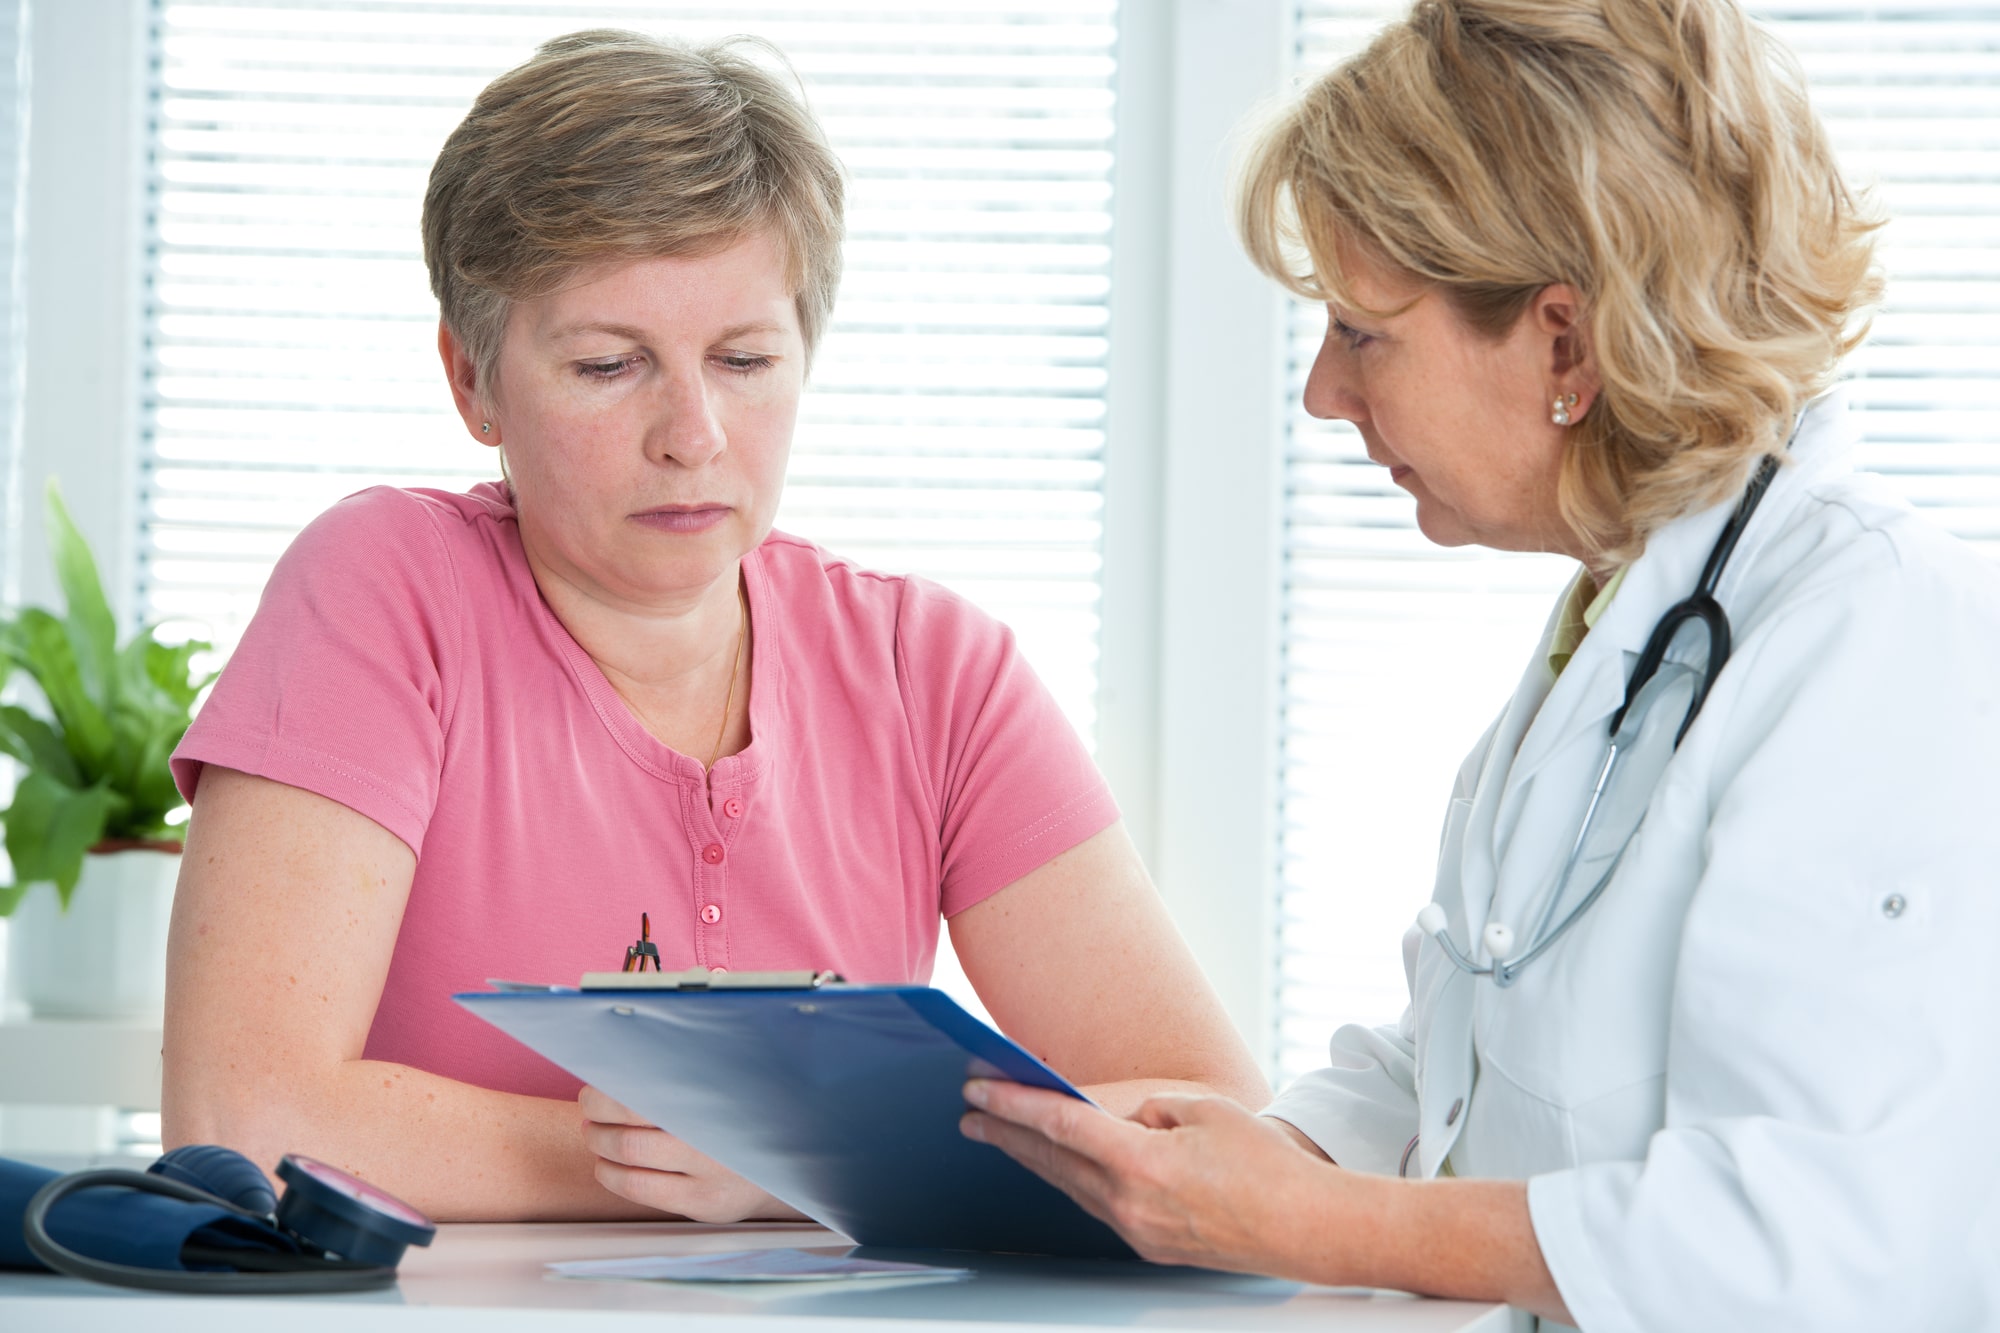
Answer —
(1748, 1090)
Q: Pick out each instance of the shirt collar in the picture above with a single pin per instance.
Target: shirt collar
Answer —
(1585, 602)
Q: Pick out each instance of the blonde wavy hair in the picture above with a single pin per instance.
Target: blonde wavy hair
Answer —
(1658, 155)
(608, 145)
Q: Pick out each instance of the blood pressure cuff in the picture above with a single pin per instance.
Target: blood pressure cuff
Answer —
(123, 1226)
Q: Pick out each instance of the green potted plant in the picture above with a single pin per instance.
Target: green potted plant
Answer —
(90, 815)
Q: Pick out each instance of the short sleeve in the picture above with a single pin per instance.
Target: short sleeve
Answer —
(336, 686)
(1014, 786)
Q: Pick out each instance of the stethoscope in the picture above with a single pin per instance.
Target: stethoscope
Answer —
(1633, 728)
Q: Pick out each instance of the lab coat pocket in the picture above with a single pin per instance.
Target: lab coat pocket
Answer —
(1512, 1132)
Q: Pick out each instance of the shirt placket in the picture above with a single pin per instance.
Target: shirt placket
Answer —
(714, 824)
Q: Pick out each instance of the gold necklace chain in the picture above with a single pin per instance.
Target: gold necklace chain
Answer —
(735, 665)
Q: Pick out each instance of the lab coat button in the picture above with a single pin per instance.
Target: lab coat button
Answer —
(712, 853)
(711, 914)
(733, 807)
(1451, 1116)
(1893, 905)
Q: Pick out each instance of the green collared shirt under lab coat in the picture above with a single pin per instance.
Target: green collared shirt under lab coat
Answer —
(1581, 609)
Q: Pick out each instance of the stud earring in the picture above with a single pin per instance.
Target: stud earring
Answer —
(1560, 414)
(485, 428)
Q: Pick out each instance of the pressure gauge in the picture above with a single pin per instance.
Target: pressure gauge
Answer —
(345, 1215)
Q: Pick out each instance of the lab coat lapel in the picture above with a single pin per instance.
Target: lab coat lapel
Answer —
(1478, 858)
(1443, 996)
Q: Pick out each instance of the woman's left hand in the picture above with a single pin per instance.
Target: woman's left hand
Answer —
(1187, 1180)
(649, 1166)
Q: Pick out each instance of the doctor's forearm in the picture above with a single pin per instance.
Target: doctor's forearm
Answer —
(1463, 1239)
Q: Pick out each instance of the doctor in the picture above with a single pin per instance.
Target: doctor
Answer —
(1704, 1027)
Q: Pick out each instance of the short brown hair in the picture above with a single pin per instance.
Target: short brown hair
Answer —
(611, 145)
(1658, 155)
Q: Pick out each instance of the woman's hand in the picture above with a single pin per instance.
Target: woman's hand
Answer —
(650, 1166)
(1187, 1180)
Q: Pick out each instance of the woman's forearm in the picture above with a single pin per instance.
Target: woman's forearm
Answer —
(458, 1153)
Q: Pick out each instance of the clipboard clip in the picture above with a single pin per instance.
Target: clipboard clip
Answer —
(700, 978)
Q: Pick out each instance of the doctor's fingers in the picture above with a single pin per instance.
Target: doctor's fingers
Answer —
(1171, 1110)
(1133, 1201)
(1207, 1130)
(1069, 1121)
(1076, 1175)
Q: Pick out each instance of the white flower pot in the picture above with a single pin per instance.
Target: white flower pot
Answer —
(106, 957)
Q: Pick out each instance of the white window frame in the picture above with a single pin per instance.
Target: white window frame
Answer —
(82, 260)
(1193, 496)
(1221, 514)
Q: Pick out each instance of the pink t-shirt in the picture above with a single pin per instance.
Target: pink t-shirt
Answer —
(904, 762)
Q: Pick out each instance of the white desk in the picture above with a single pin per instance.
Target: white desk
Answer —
(489, 1279)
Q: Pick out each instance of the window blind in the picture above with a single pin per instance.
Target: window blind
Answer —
(1396, 654)
(954, 423)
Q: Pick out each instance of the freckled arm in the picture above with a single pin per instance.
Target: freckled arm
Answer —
(283, 926)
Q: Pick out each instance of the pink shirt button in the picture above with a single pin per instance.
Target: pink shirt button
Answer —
(712, 853)
(711, 914)
(733, 807)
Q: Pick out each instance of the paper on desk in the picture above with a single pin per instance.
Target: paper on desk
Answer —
(749, 1266)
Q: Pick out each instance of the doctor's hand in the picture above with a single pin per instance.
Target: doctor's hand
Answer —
(650, 1166)
(1200, 1180)
(1187, 1180)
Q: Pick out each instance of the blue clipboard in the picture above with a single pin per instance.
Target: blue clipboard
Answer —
(843, 1101)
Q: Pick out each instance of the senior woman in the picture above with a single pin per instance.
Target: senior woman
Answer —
(1589, 270)
(477, 735)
